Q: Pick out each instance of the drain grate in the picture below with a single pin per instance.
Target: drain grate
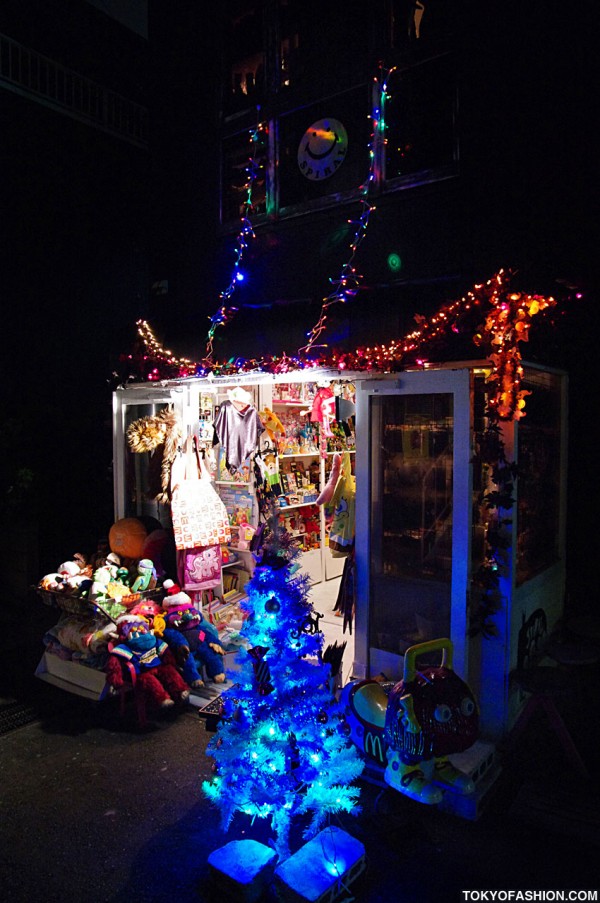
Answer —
(14, 715)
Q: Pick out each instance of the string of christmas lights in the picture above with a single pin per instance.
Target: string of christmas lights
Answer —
(347, 284)
(156, 354)
(497, 318)
(507, 325)
(227, 311)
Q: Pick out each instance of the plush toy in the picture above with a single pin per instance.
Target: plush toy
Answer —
(151, 611)
(146, 578)
(193, 639)
(70, 577)
(78, 637)
(271, 423)
(72, 571)
(52, 582)
(149, 661)
(108, 591)
(101, 579)
(85, 566)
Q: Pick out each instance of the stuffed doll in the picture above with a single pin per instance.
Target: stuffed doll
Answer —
(80, 638)
(149, 661)
(146, 576)
(69, 577)
(193, 639)
(107, 591)
(151, 611)
(271, 423)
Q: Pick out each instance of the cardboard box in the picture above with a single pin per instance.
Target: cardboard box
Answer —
(72, 677)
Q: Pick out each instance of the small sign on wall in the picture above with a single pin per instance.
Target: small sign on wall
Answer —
(322, 149)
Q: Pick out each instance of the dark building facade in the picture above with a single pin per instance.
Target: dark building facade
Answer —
(479, 165)
(124, 177)
(486, 162)
(74, 137)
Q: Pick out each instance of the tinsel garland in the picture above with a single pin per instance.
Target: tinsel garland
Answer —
(495, 317)
(495, 503)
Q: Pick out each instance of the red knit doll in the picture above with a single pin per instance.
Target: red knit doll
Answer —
(145, 662)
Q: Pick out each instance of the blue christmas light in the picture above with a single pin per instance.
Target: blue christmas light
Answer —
(271, 742)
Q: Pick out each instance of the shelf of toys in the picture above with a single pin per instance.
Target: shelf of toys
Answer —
(311, 430)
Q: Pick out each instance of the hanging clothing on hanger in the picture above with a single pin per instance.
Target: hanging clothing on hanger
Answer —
(238, 428)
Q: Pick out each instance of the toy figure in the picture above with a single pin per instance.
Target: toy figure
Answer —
(193, 639)
(271, 472)
(271, 423)
(103, 575)
(428, 716)
(146, 578)
(323, 408)
(152, 612)
(149, 662)
(245, 534)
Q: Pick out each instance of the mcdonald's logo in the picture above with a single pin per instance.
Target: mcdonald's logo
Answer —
(374, 747)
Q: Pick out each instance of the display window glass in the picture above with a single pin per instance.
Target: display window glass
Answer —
(411, 525)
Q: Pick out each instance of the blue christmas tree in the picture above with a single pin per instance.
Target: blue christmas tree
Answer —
(281, 749)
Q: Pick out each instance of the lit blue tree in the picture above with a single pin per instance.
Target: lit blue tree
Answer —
(281, 750)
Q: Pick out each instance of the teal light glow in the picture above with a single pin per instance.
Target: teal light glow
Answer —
(394, 262)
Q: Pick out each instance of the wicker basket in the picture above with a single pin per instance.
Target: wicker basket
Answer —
(79, 605)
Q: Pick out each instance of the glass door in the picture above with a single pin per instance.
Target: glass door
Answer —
(414, 513)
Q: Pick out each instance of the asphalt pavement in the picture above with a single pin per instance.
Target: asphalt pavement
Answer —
(95, 810)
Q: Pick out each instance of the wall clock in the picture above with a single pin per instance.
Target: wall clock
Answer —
(322, 149)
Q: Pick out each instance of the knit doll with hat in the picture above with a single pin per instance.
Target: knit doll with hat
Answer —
(193, 639)
(145, 661)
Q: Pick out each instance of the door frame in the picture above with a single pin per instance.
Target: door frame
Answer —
(370, 661)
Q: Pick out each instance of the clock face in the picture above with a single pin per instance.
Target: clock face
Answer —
(322, 149)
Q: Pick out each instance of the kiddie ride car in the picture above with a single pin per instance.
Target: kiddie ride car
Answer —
(428, 716)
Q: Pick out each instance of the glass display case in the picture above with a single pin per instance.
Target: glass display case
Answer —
(433, 527)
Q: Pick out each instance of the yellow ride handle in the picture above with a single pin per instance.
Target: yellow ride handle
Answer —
(412, 653)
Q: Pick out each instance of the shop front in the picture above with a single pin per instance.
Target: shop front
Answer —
(459, 518)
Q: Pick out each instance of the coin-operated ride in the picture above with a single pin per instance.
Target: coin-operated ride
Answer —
(428, 716)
